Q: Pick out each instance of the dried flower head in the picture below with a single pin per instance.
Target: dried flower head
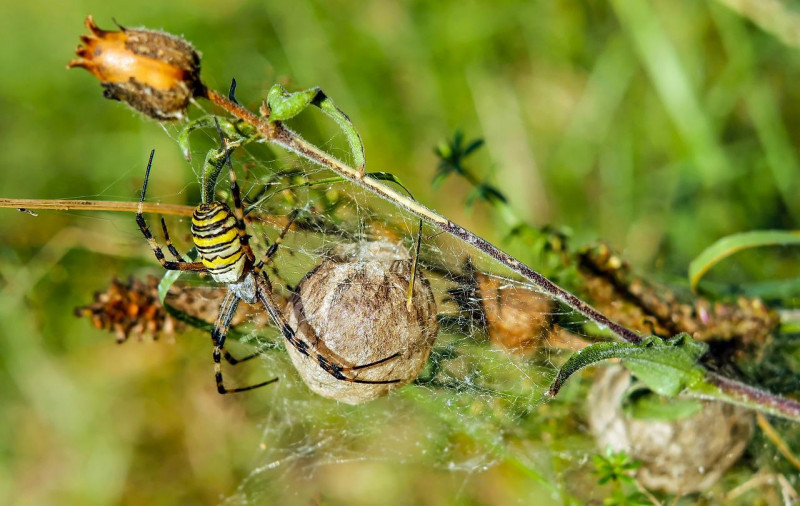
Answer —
(130, 310)
(154, 72)
(354, 305)
(649, 308)
(134, 309)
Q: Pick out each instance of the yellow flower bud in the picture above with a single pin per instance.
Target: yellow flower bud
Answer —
(154, 72)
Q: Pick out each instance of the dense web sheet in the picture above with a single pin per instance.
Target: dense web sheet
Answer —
(479, 400)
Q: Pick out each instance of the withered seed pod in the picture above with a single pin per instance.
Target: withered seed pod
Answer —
(154, 72)
(679, 457)
(517, 318)
(354, 306)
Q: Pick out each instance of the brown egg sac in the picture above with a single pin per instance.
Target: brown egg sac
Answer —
(678, 456)
(517, 318)
(353, 307)
(154, 72)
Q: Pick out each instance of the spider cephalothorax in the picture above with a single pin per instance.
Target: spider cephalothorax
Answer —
(223, 245)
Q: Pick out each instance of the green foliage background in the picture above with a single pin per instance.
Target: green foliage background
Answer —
(658, 126)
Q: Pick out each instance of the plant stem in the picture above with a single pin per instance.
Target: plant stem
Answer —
(748, 396)
(96, 205)
(277, 133)
(123, 207)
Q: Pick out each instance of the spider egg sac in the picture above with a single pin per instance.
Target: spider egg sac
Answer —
(683, 456)
(352, 308)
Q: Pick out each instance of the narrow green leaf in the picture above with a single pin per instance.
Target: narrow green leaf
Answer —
(731, 244)
(666, 366)
(284, 106)
(167, 280)
(327, 106)
(472, 146)
(170, 277)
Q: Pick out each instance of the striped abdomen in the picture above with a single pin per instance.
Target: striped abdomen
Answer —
(216, 237)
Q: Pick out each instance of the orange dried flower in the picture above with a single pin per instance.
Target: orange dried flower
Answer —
(154, 72)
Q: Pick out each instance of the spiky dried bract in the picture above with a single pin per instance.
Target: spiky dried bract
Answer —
(678, 457)
(130, 309)
(354, 305)
(134, 309)
(154, 72)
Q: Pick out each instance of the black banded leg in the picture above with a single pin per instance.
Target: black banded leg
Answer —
(238, 210)
(328, 363)
(336, 370)
(226, 312)
(179, 265)
(273, 248)
(233, 360)
(170, 247)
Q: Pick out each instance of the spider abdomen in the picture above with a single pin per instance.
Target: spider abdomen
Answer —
(216, 238)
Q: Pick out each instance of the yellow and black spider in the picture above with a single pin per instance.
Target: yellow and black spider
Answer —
(223, 247)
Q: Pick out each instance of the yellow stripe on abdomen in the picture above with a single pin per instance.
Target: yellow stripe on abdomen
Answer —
(214, 241)
(216, 238)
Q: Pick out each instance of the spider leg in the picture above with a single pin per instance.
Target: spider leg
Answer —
(329, 363)
(233, 360)
(175, 253)
(179, 265)
(226, 312)
(238, 210)
(273, 248)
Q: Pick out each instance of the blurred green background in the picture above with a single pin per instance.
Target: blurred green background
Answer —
(658, 126)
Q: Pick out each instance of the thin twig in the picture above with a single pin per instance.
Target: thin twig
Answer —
(123, 207)
(97, 205)
(751, 397)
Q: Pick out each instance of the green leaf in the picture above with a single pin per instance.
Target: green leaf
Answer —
(666, 366)
(233, 332)
(643, 404)
(472, 146)
(731, 244)
(167, 280)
